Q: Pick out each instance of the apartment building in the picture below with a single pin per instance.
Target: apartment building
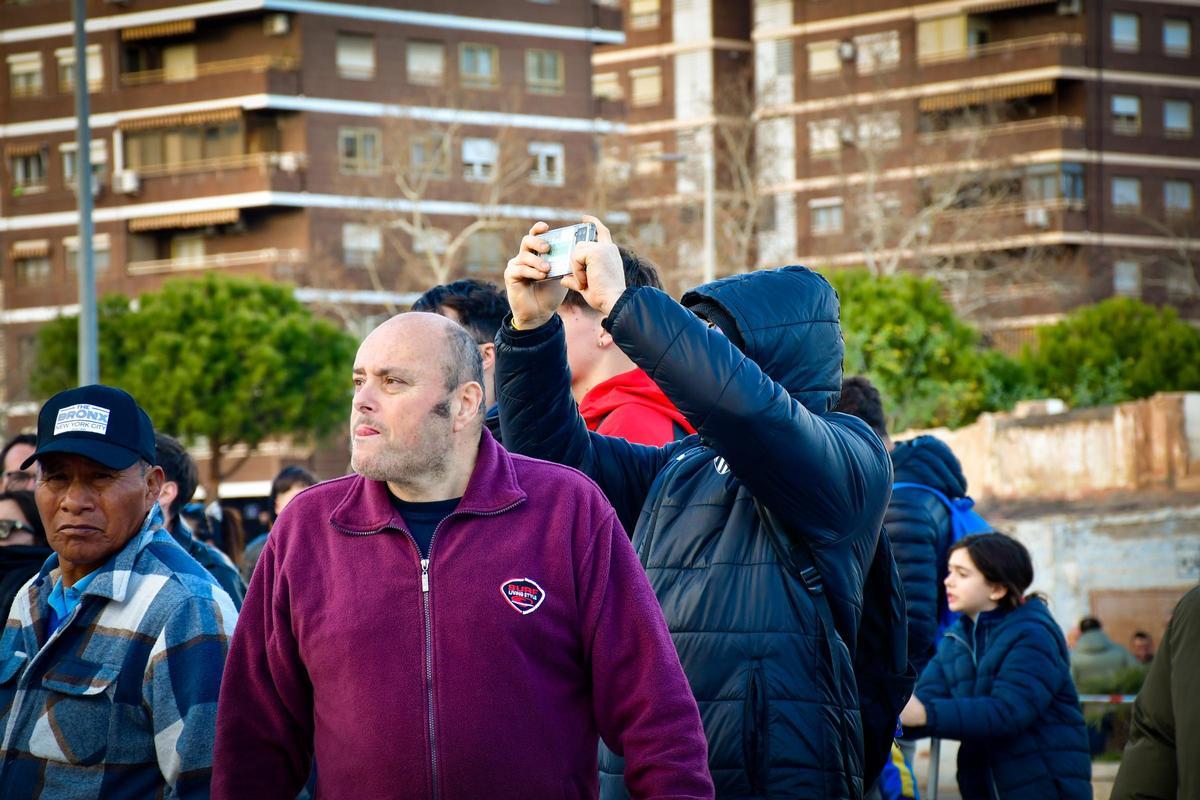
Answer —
(359, 150)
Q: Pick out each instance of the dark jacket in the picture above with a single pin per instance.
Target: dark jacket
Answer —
(217, 563)
(919, 527)
(18, 563)
(1002, 687)
(746, 631)
(1162, 758)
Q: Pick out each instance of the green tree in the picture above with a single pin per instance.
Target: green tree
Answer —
(230, 360)
(1117, 350)
(926, 362)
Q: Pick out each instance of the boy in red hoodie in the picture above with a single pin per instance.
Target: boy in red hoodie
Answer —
(615, 397)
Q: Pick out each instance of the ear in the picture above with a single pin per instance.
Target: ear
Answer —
(469, 405)
(996, 593)
(603, 338)
(155, 480)
(488, 352)
(168, 492)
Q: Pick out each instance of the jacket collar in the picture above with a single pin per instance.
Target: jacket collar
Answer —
(493, 487)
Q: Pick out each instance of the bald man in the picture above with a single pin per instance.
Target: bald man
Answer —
(452, 621)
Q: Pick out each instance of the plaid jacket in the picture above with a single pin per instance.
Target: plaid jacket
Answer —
(122, 700)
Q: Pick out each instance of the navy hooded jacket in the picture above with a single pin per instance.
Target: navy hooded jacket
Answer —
(919, 527)
(747, 632)
(1002, 686)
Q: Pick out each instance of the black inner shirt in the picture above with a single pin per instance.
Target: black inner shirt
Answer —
(422, 519)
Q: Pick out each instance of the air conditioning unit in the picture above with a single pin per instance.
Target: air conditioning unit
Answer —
(1037, 217)
(1070, 8)
(126, 182)
(276, 24)
(288, 162)
(847, 50)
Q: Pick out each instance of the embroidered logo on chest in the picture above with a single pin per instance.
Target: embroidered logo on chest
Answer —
(523, 594)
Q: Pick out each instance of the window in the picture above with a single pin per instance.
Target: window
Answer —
(28, 171)
(99, 161)
(646, 86)
(647, 158)
(479, 158)
(547, 163)
(607, 86)
(425, 63)
(361, 244)
(1177, 198)
(942, 38)
(1127, 194)
(25, 74)
(1177, 119)
(429, 157)
(187, 248)
(785, 58)
(1127, 279)
(479, 65)
(826, 215)
(356, 56)
(1072, 182)
(100, 251)
(882, 129)
(431, 240)
(173, 150)
(614, 168)
(66, 69)
(358, 151)
(1041, 182)
(824, 137)
(823, 59)
(643, 14)
(179, 62)
(1126, 36)
(1177, 37)
(32, 270)
(877, 52)
(1126, 114)
(486, 251)
(544, 71)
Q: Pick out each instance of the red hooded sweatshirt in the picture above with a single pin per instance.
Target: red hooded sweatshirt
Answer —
(489, 670)
(631, 406)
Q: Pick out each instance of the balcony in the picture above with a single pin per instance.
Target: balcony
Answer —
(1008, 137)
(270, 256)
(253, 65)
(250, 172)
(1007, 55)
(187, 83)
(1006, 224)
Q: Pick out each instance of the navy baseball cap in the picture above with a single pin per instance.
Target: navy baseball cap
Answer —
(102, 423)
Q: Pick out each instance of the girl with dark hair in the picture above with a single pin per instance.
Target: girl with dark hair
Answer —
(23, 547)
(290, 481)
(1001, 683)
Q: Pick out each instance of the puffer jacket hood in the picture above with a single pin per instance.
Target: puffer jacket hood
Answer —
(929, 460)
(775, 328)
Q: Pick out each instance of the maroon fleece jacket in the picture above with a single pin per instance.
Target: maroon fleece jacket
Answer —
(539, 629)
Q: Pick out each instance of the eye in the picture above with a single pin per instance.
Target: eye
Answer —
(359, 381)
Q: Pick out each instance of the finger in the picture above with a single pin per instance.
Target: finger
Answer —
(603, 234)
(532, 260)
(571, 282)
(538, 227)
(533, 244)
(517, 272)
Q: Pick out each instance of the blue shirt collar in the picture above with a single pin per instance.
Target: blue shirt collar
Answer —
(63, 600)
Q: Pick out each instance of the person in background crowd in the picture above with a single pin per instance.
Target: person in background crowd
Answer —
(291, 481)
(615, 396)
(1141, 644)
(480, 307)
(755, 363)
(112, 658)
(15, 451)
(1160, 760)
(226, 530)
(1000, 683)
(23, 546)
(179, 484)
(499, 621)
(1096, 658)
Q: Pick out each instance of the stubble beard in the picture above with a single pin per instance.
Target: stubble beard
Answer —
(426, 461)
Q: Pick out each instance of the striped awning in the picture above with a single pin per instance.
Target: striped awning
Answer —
(159, 30)
(23, 149)
(181, 120)
(991, 94)
(30, 248)
(1001, 5)
(196, 219)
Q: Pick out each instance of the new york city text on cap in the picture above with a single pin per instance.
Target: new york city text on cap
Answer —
(102, 423)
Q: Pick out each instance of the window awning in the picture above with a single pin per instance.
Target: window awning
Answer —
(30, 248)
(991, 94)
(197, 219)
(181, 120)
(162, 29)
(1001, 5)
(23, 149)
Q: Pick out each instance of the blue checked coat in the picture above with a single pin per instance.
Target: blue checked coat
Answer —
(122, 700)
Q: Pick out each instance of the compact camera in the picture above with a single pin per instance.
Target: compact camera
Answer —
(562, 243)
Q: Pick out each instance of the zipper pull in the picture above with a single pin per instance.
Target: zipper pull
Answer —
(424, 575)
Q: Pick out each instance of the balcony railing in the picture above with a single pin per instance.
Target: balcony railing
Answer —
(986, 132)
(225, 67)
(284, 162)
(1004, 47)
(269, 255)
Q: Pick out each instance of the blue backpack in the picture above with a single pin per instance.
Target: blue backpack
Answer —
(964, 520)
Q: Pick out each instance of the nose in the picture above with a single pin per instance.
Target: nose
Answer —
(79, 497)
(364, 397)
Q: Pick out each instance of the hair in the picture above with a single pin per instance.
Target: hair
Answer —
(1003, 561)
(233, 534)
(1089, 624)
(1139, 635)
(179, 467)
(639, 271)
(21, 438)
(288, 478)
(24, 499)
(861, 399)
(480, 306)
(464, 363)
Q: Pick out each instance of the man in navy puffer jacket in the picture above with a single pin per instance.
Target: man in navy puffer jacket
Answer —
(759, 383)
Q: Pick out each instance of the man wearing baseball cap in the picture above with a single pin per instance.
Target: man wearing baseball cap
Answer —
(112, 657)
